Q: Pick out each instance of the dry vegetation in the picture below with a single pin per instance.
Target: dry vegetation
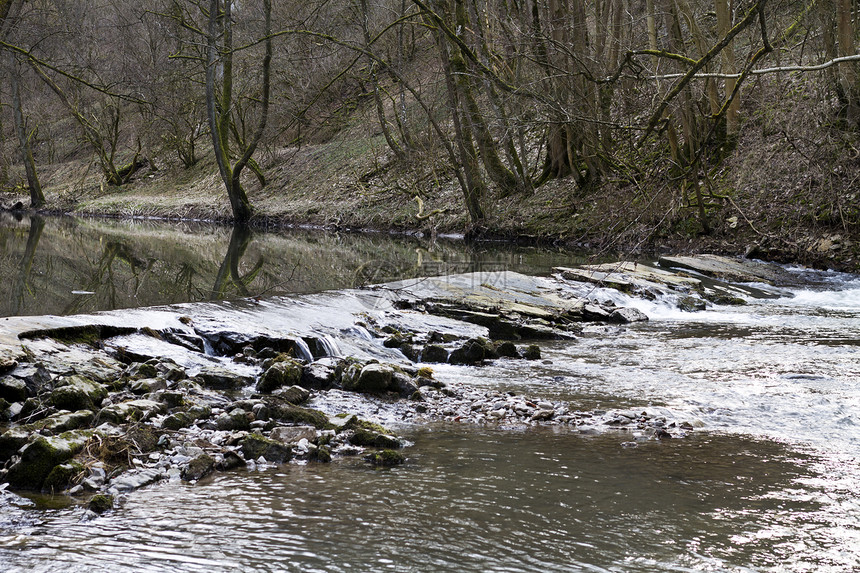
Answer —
(775, 176)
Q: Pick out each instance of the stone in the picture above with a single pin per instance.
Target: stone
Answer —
(77, 393)
(434, 353)
(294, 394)
(61, 477)
(403, 384)
(133, 480)
(131, 411)
(100, 503)
(319, 375)
(199, 467)
(255, 446)
(41, 454)
(13, 389)
(385, 458)
(370, 438)
(372, 379)
(627, 315)
(236, 419)
(532, 352)
(148, 385)
(139, 371)
(473, 351)
(292, 434)
(507, 349)
(177, 421)
(279, 374)
(218, 378)
(64, 421)
(35, 376)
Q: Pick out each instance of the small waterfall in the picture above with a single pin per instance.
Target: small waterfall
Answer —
(302, 350)
(329, 345)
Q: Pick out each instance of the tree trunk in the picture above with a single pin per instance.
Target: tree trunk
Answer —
(474, 189)
(37, 198)
(847, 70)
(724, 24)
(219, 119)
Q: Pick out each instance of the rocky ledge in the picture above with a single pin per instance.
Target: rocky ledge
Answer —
(100, 405)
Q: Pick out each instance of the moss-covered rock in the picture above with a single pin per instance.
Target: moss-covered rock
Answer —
(13, 440)
(62, 476)
(385, 458)
(434, 353)
(235, 419)
(77, 393)
(41, 454)
(139, 371)
(254, 446)
(148, 385)
(507, 349)
(287, 372)
(202, 465)
(100, 503)
(65, 421)
(131, 411)
(371, 379)
(294, 394)
(281, 410)
(177, 421)
(532, 352)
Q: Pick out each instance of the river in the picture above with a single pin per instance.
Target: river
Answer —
(768, 481)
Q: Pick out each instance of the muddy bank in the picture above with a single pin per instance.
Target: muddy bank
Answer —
(97, 406)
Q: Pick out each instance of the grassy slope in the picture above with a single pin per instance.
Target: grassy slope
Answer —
(789, 193)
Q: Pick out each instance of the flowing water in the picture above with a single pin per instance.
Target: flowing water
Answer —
(769, 480)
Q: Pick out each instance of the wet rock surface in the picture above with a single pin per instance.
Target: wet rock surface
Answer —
(105, 410)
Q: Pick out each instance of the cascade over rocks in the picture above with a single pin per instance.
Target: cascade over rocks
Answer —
(82, 421)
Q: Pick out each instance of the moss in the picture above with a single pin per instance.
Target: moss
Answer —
(425, 372)
(62, 476)
(357, 423)
(385, 458)
(100, 503)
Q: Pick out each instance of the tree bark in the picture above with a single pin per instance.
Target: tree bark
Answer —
(37, 198)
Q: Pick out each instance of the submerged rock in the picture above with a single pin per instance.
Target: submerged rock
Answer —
(202, 465)
(385, 458)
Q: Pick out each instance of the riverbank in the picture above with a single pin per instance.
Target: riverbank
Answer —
(767, 201)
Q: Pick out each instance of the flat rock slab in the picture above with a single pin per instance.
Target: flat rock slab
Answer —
(734, 270)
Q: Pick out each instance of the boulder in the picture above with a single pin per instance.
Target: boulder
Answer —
(319, 375)
(385, 458)
(235, 419)
(294, 394)
(473, 351)
(202, 465)
(13, 389)
(292, 434)
(77, 393)
(371, 379)
(507, 349)
(279, 374)
(218, 378)
(131, 411)
(139, 371)
(255, 446)
(62, 476)
(434, 353)
(42, 454)
(148, 385)
(627, 315)
(532, 352)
